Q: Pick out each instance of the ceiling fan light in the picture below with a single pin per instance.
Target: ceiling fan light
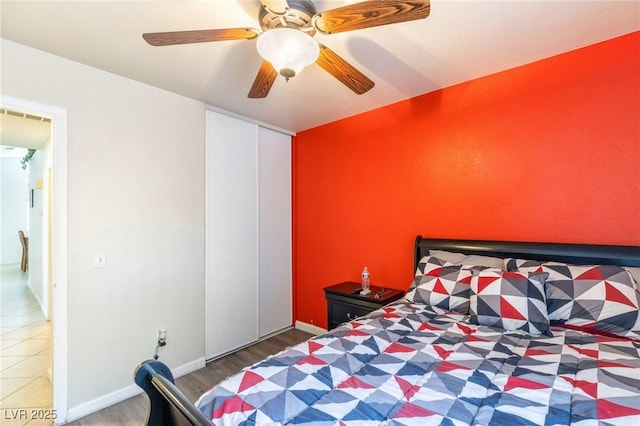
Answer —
(288, 50)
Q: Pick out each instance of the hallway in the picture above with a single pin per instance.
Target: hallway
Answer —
(25, 352)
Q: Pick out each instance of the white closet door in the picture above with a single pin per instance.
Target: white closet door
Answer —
(274, 177)
(231, 234)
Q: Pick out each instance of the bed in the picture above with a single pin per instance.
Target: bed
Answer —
(489, 333)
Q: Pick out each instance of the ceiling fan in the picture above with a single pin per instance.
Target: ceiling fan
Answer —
(286, 42)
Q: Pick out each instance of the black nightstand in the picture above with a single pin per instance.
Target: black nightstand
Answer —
(344, 302)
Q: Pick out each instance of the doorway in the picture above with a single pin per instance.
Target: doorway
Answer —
(53, 251)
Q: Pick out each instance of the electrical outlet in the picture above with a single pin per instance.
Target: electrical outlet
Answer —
(162, 337)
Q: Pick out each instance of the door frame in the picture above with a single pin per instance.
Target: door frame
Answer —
(59, 214)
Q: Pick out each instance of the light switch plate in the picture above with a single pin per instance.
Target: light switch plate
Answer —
(100, 260)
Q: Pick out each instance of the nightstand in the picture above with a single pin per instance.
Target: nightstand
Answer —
(344, 302)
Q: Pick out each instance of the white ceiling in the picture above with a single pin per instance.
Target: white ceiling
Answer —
(459, 41)
(23, 130)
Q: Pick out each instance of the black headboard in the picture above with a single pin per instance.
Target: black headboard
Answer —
(568, 253)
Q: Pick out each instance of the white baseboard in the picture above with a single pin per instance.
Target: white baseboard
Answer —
(97, 404)
(189, 367)
(120, 395)
(43, 308)
(310, 328)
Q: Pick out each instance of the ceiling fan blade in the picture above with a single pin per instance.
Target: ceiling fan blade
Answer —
(275, 6)
(343, 71)
(264, 80)
(370, 14)
(199, 36)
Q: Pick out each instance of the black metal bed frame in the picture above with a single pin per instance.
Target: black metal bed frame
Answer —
(579, 254)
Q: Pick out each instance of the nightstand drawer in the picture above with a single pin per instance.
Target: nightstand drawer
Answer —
(344, 302)
(343, 312)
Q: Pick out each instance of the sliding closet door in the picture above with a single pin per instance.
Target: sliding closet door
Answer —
(274, 177)
(231, 234)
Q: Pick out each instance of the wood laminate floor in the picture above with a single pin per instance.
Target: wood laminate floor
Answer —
(133, 411)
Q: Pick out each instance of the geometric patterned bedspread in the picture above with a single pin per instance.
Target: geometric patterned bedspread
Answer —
(407, 364)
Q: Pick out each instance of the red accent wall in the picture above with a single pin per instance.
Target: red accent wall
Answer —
(545, 152)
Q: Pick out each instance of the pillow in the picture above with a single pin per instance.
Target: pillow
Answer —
(600, 298)
(427, 263)
(425, 266)
(446, 287)
(468, 259)
(509, 300)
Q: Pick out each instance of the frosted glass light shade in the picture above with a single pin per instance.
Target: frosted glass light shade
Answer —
(288, 50)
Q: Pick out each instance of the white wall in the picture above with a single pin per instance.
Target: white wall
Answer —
(136, 192)
(37, 266)
(13, 209)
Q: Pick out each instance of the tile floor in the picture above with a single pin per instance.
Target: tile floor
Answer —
(25, 352)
